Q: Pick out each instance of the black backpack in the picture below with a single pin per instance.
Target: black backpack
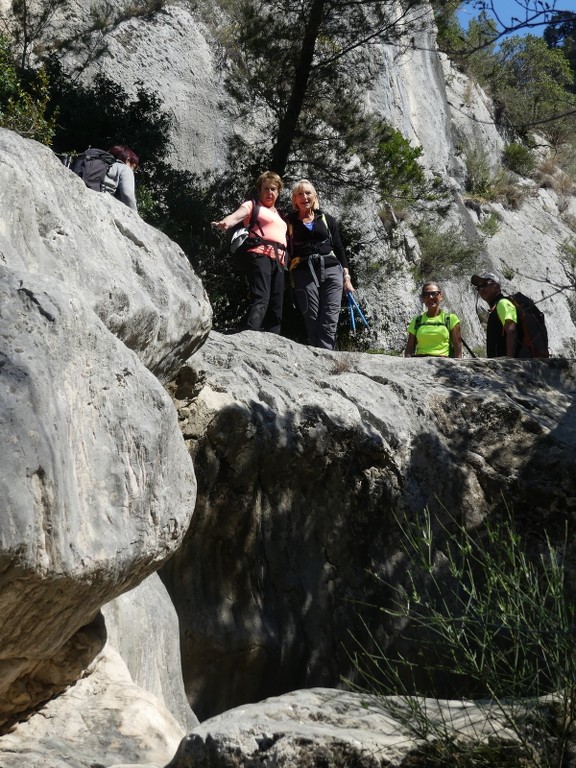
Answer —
(92, 167)
(240, 237)
(532, 333)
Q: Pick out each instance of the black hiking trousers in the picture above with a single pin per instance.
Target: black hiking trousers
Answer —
(266, 281)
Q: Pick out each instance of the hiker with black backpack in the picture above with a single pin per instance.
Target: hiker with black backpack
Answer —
(109, 171)
(434, 333)
(121, 174)
(262, 252)
(516, 327)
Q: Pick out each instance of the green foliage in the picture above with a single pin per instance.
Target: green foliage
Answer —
(396, 166)
(102, 113)
(490, 224)
(508, 273)
(450, 33)
(479, 607)
(483, 184)
(23, 99)
(445, 253)
(479, 177)
(519, 159)
(531, 79)
(473, 50)
(561, 34)
(533, 87)
(308, 75)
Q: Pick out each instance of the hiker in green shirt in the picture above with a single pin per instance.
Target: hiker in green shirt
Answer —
(435, 333)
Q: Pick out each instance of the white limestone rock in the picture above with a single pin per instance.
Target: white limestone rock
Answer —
(105, 719)
(143, 626)
(96, 486)
(322, 726)
(138, 282)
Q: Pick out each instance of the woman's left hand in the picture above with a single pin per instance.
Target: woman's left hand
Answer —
(348, 287)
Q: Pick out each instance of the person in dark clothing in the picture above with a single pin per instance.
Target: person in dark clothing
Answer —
(502, 328)
(318, 265)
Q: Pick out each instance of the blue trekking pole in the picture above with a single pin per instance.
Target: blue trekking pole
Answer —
(354, 307)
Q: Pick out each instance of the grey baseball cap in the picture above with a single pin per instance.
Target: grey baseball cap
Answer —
(484, 277)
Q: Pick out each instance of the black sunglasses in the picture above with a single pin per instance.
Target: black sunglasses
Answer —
(484, 285)
(430, 294)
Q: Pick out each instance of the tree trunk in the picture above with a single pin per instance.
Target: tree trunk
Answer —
(289, 121)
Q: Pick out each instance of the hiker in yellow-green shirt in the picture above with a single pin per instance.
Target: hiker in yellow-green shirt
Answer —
(435, 333)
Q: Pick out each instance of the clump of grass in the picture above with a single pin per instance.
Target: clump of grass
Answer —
(490, 224)
(519, 159)
(478, 607)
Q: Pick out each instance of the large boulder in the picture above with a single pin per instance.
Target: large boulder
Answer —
(97, 487)
(135, 279)
(105, 719)
(307, 463)
(326, 727)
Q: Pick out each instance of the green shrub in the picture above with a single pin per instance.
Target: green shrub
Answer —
(445, 254)
(479, 177)
(476, 605)
(24, 100)
(519, 159)
(490, 225)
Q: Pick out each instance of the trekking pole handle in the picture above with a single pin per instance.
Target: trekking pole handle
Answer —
(468, 349)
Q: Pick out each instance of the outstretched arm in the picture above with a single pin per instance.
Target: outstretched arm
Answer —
(233, 218)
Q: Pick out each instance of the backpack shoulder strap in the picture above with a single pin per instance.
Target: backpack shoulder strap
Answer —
(325, 222)
(418, 322)
(254, 217)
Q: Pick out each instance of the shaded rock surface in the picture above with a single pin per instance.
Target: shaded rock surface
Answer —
(307, 462)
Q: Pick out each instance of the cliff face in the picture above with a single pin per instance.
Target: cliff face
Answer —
(304, 460)
(419, 92)
(309, 463)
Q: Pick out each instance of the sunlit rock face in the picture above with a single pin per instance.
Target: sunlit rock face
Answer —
(97, 486)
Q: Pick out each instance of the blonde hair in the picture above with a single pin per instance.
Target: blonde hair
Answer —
(268, 176)
(298, 188)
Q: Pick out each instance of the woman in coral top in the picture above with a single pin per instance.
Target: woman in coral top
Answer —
(264, 260)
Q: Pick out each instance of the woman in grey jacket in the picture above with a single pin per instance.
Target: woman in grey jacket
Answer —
(120, 175)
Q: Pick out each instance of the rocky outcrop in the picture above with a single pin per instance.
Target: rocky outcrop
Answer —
(307, 463)
(105, 719)
(135, 280)
(338, 729)
(143, 626)
(97, 488)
